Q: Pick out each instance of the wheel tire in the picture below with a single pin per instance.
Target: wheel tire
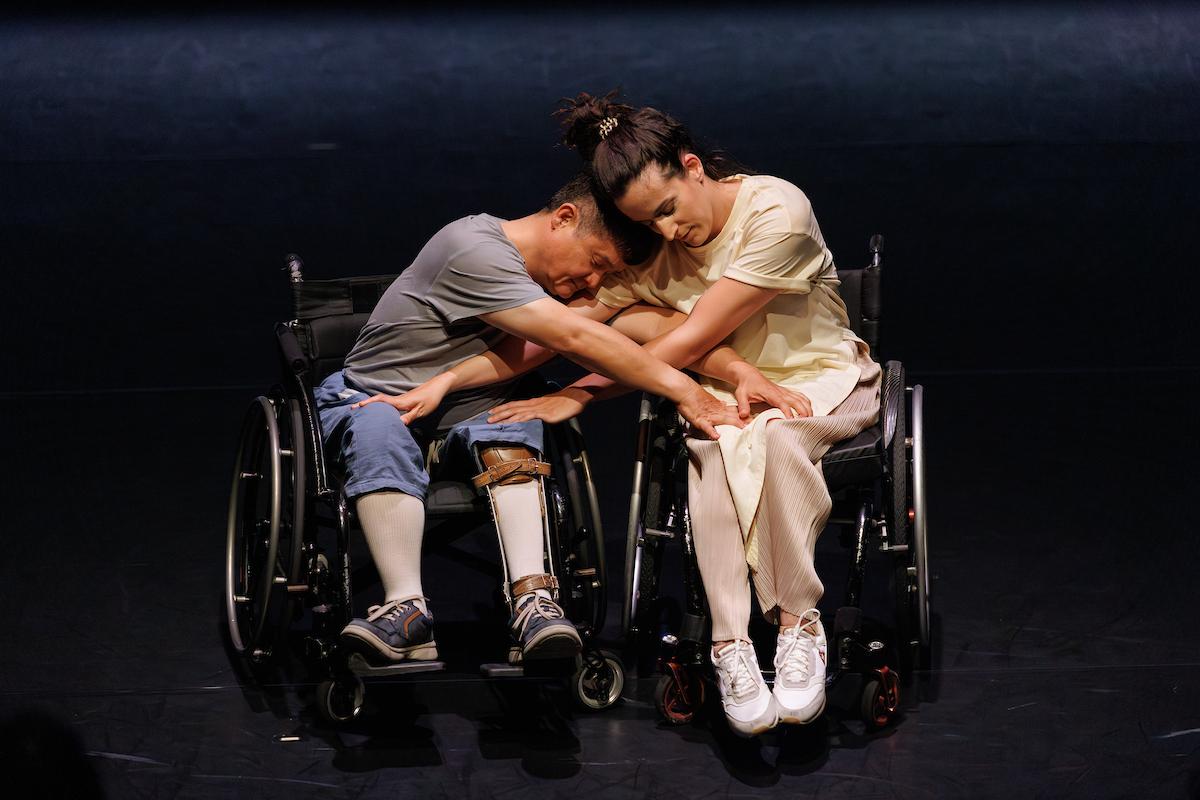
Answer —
(873, 705)
(257, 482)
(678, 702)
(340, 701)
(598, 687)
(264, 532)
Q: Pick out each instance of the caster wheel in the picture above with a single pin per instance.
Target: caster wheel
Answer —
(890, 683)
(598, 682)
(678, 696)
(880, 698)
(340, 701)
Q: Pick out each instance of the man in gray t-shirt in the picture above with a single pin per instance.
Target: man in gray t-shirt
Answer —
(429, 319)
(477, 279)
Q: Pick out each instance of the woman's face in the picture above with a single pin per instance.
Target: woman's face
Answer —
(680, 207)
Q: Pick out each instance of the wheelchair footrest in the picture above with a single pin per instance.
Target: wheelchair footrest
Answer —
(502, 670)
(361, 667)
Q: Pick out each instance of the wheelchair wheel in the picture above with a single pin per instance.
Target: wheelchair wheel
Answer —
(340, 701)
(679, 695)
(598, 681)
(879, 699)
(263, 543)
(579, 534)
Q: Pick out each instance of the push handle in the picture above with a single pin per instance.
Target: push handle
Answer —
(872, 294)
(294, 268)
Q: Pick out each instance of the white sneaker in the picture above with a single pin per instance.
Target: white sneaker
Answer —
(749, 705)
(800, 670)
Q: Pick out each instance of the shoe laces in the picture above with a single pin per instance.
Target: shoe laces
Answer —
(389, 611)
(795, 648)
(739, 669)
(539, 606)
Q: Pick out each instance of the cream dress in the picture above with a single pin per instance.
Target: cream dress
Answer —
(801, 339)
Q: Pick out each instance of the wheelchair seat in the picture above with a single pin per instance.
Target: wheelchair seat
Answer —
(854, 461)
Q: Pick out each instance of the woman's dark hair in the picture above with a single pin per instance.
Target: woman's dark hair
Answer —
(619, 141)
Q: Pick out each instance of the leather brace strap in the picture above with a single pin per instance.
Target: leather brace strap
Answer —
(532, 583)
(504, 465)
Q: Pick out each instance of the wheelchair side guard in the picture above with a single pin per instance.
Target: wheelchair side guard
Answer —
(299, 390)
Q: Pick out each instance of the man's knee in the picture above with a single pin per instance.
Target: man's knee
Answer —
(379, 452)
(509, 464)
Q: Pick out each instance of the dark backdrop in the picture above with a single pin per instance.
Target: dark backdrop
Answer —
(1034, 169)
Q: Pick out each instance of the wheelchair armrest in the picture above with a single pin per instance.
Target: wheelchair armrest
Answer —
(299, 387)
(289, 348)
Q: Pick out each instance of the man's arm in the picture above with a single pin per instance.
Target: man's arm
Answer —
(513, 356)
(693, 341)
(724, 306)
(603, 350)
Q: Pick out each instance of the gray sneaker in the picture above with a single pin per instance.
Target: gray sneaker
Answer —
(397, 630)
(540, 630)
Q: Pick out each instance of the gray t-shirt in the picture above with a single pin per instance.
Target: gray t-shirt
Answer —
(428, 319)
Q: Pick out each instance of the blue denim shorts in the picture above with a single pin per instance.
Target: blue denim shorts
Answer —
(375, 450)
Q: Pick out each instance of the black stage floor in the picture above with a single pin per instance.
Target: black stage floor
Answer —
(1064, 557)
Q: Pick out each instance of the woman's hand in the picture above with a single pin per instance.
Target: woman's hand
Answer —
(418, 403)
(555, 407)
(753, 389)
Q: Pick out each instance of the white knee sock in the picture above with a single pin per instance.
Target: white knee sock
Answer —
(394, 524)
(519, 520)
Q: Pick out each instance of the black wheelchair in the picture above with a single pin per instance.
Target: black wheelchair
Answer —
(877, 481)
(287, 559)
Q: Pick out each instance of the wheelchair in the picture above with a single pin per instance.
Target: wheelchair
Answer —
(877, 481)
(287, 556)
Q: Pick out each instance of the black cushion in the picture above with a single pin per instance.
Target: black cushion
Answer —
(453, 497)
(854, 461)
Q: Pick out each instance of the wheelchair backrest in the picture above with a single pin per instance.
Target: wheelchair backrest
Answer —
(862, 293)
(329, 315)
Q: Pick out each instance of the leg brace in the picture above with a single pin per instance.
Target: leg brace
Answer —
(505, 465)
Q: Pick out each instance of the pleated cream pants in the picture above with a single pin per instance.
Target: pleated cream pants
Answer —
(792, 511)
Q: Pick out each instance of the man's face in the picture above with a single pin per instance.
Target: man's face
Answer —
(577, 263)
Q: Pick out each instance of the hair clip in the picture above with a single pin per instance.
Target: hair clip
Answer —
(607, 126)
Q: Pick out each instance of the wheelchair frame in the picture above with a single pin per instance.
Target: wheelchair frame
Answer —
(887, 513)
(276, 568)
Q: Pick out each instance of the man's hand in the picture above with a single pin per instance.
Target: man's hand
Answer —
(418, 403)
(705, 412)
(753, 389)
(555, 407)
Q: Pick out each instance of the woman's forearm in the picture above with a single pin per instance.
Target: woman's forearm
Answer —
(722, 363)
